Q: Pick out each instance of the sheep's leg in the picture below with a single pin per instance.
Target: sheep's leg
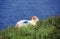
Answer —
(16, 26)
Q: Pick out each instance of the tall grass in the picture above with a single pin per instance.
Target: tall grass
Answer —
(45, 29)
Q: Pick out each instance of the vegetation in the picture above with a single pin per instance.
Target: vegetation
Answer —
(45, 29)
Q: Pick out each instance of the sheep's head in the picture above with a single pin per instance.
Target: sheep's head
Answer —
(35, 18)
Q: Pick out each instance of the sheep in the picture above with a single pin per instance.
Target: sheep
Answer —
(23, 23)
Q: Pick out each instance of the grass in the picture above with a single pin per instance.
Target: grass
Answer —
(45, 29)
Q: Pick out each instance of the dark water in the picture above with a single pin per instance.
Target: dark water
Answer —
(12, 11)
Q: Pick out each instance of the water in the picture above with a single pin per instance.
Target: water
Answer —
(12, 11)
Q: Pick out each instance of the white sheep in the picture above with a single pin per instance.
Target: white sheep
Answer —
(23, 23)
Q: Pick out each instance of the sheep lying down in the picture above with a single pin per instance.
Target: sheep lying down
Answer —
(24, 23)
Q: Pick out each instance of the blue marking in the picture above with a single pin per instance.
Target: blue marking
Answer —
(25, 21)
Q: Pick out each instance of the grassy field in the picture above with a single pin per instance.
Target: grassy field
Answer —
(45, 29)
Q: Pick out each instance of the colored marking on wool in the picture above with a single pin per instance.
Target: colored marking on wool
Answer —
(25, 21)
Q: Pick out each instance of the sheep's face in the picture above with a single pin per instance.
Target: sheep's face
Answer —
(35, 18)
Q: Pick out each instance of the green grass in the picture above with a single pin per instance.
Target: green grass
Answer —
(44, 29)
